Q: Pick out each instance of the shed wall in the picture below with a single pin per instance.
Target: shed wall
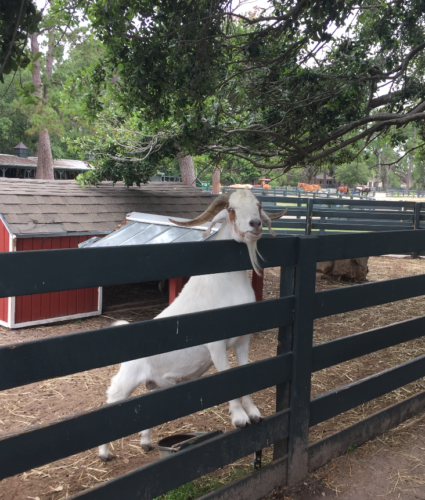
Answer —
(4, 247)
(56, 304)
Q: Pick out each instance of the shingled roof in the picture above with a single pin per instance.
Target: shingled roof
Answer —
(56, 207)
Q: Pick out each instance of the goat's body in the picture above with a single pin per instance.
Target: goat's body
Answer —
(170, 368)
(201, 293)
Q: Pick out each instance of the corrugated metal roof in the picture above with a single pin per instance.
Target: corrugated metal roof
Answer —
(143, 229)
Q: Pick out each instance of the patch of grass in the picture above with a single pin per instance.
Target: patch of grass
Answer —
(195, 489)
(202, 486)
(352, 447)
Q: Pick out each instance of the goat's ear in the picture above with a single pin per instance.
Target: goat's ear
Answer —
(220, 217)
(267, 222)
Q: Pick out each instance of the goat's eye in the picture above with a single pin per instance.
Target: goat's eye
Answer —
(231, 210)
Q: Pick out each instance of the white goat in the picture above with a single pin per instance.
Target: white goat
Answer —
(241, 216)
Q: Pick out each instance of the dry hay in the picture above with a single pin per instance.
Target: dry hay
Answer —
(48, 400)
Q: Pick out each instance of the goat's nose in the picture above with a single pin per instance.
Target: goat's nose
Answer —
(255, 223)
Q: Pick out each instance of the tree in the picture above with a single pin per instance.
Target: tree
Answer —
(44, 159)
(51, 116)
(279, 88)
(18, 19)
(353, 174)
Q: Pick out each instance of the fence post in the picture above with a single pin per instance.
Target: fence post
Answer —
(305, 282)
(284, 344)
(308, 217)
(416, 223)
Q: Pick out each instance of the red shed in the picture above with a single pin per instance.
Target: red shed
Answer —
(41, 215)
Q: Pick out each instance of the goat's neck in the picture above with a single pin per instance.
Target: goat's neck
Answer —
(225, 231)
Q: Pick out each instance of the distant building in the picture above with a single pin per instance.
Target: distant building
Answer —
(320, 179)
(374, 183)
(22, 166)
(161, 177)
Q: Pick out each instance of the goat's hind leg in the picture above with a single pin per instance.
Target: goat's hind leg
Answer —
(242, 355)
(128, 378)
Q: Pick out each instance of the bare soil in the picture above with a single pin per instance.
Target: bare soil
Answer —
(389, 466)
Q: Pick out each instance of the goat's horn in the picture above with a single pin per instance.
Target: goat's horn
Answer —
(276, 216)
(216, 206)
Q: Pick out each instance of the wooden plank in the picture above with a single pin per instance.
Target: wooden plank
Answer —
(64, 296)
(45, 272)
(288, 223)
(410, 205)
(36, 298)
(320, 452)
(26, 303)
(361, 226)
(4, 247)
(356, 393)
(284, 345)
(347, 246)
(72, 294)
(343, 349)
(253, 486)
(416, 225)
(305, 282)
(27, 362)
(46, 297)
(291, 211)
(336, 301)
(43, 444)
(308, 219)
(363, 214)
(81, 295)
(164, 475)
(55, 296)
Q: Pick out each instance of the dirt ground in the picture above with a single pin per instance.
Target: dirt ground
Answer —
(390, 466)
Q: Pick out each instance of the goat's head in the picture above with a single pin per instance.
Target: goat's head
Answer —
(245, 215)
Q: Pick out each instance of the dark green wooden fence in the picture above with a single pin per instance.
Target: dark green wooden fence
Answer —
(290, 370)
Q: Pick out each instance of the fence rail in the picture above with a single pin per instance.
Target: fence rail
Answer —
(290, 370)
(314, 216)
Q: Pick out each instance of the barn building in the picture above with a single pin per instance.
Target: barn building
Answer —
(22, 166)
(41, 214)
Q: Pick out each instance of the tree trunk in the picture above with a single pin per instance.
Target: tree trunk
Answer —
(409, 173)
(409, 182)
(44, 159)
(216, 186)
(187, 170)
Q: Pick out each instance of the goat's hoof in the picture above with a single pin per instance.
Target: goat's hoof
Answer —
(147, 447)
(241, 423)
(104, 453)
(106, 458)
(255, 418)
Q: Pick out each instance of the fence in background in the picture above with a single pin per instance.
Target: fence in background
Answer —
(294, 191)
(398, 192)
(290, 370)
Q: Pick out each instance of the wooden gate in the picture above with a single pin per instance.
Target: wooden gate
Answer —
(290, 370)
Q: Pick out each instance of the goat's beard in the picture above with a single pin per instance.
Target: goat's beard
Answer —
(254, 254)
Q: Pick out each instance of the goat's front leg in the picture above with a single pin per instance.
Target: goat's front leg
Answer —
(242, 353)
(221, 362)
